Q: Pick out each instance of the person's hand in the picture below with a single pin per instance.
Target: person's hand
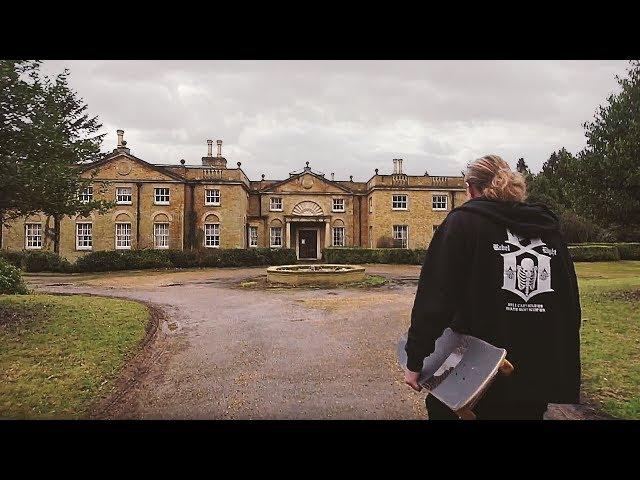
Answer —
(411, 379)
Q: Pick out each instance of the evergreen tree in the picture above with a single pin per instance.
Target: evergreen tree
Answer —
(46, 135)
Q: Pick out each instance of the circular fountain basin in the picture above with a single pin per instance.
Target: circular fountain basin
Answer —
(324, 274)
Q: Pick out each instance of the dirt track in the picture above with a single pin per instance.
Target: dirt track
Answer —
(227, 352)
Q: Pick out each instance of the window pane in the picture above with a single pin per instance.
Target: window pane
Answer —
(338, 236)
(83, 235)
(123, 195)
(33, 235)
(276, 236)
(162, 195)
(399, 201)
(123, 235)
(439, 202)
(161, 235)
(400, 232)
(212, 196)
(253, 236)
(212, 235)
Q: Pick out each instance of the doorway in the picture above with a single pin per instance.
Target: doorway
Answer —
(307, 244)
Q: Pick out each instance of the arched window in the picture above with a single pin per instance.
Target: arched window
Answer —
(161, 231)
(212, 231)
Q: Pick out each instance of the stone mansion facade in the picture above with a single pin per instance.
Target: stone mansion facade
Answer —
(213, 206)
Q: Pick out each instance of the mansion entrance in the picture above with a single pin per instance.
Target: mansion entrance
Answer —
(307, 244)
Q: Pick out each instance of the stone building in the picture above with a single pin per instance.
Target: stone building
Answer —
(214, 206)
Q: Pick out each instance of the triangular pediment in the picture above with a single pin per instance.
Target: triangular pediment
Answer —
(126, 166)
(307, 183)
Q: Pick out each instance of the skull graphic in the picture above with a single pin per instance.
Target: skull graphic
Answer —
(527, 275)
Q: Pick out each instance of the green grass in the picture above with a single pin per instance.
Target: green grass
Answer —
(610, 299)
(59, 353)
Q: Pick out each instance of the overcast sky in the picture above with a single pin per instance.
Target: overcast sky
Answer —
(347, 117)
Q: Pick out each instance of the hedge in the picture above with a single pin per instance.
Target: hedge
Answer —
(374, 255)
(11, 279)
(629, 251)
(36, 260)
(594, 253)
(142, 259)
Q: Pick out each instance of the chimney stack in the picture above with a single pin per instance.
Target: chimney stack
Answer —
(395, 166)
(399, 165)
(209, 148)
(120, 137)
(332, 176)
(219, 142)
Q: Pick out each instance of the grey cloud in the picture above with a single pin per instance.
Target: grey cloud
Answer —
(347, 117)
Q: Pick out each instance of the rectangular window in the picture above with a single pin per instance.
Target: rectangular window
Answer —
(338, 236)
(161, 196)
(439, 202)
(370, 204)
(33, 235)
(212, 196)
(212, 235)
(84, 239)
(161, 235)
(399, 202)
(123, 195)
(338, 204)
(253, 236)
(86, 195)
(275, 204)
(401, 233)
(276, 236)
(123, 236)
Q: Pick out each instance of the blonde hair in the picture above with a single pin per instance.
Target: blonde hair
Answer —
(495, 179)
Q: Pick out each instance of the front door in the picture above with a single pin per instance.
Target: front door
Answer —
(307, 244)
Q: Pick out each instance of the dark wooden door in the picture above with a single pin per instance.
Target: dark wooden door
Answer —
(307, 245)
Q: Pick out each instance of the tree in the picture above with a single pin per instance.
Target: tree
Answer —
(522, 166)
(46, 136)
(609, 186)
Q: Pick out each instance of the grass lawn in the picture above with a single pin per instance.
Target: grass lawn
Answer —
(610, 298)
(59, 353)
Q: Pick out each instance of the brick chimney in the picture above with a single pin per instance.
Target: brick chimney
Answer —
(219, 142)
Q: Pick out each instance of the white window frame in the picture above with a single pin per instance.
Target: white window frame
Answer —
(214, 236)
(163, 236)
(206, 196)
(86, 195)
(271, 202)
(439, 202)
(394, 201)
(33, 240)
(406, 229)
(342, 237)
(156, 194)
(333, 205)
(121, 192)
(253, 228)
(272, 230)
(90, 235)
(120, 238)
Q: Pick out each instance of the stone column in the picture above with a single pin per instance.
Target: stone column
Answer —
(327, 234)
(288, 233)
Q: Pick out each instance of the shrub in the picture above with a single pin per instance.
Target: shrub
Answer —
(594, 253)
(374, 255)
(112, 260)
(11, 279)
(36, 260)
(13, 257)
(149, 258)
(577, 229)
(43, 261)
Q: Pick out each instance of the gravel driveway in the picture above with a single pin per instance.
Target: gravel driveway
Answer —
(231, 352)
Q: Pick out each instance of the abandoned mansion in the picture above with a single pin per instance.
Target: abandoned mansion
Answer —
(214, 206)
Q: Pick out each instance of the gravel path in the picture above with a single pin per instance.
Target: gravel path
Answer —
(230, 352)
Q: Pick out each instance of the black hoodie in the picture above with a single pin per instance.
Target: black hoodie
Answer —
(501, 271)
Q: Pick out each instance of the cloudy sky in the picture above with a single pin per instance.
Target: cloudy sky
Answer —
(347, 117)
